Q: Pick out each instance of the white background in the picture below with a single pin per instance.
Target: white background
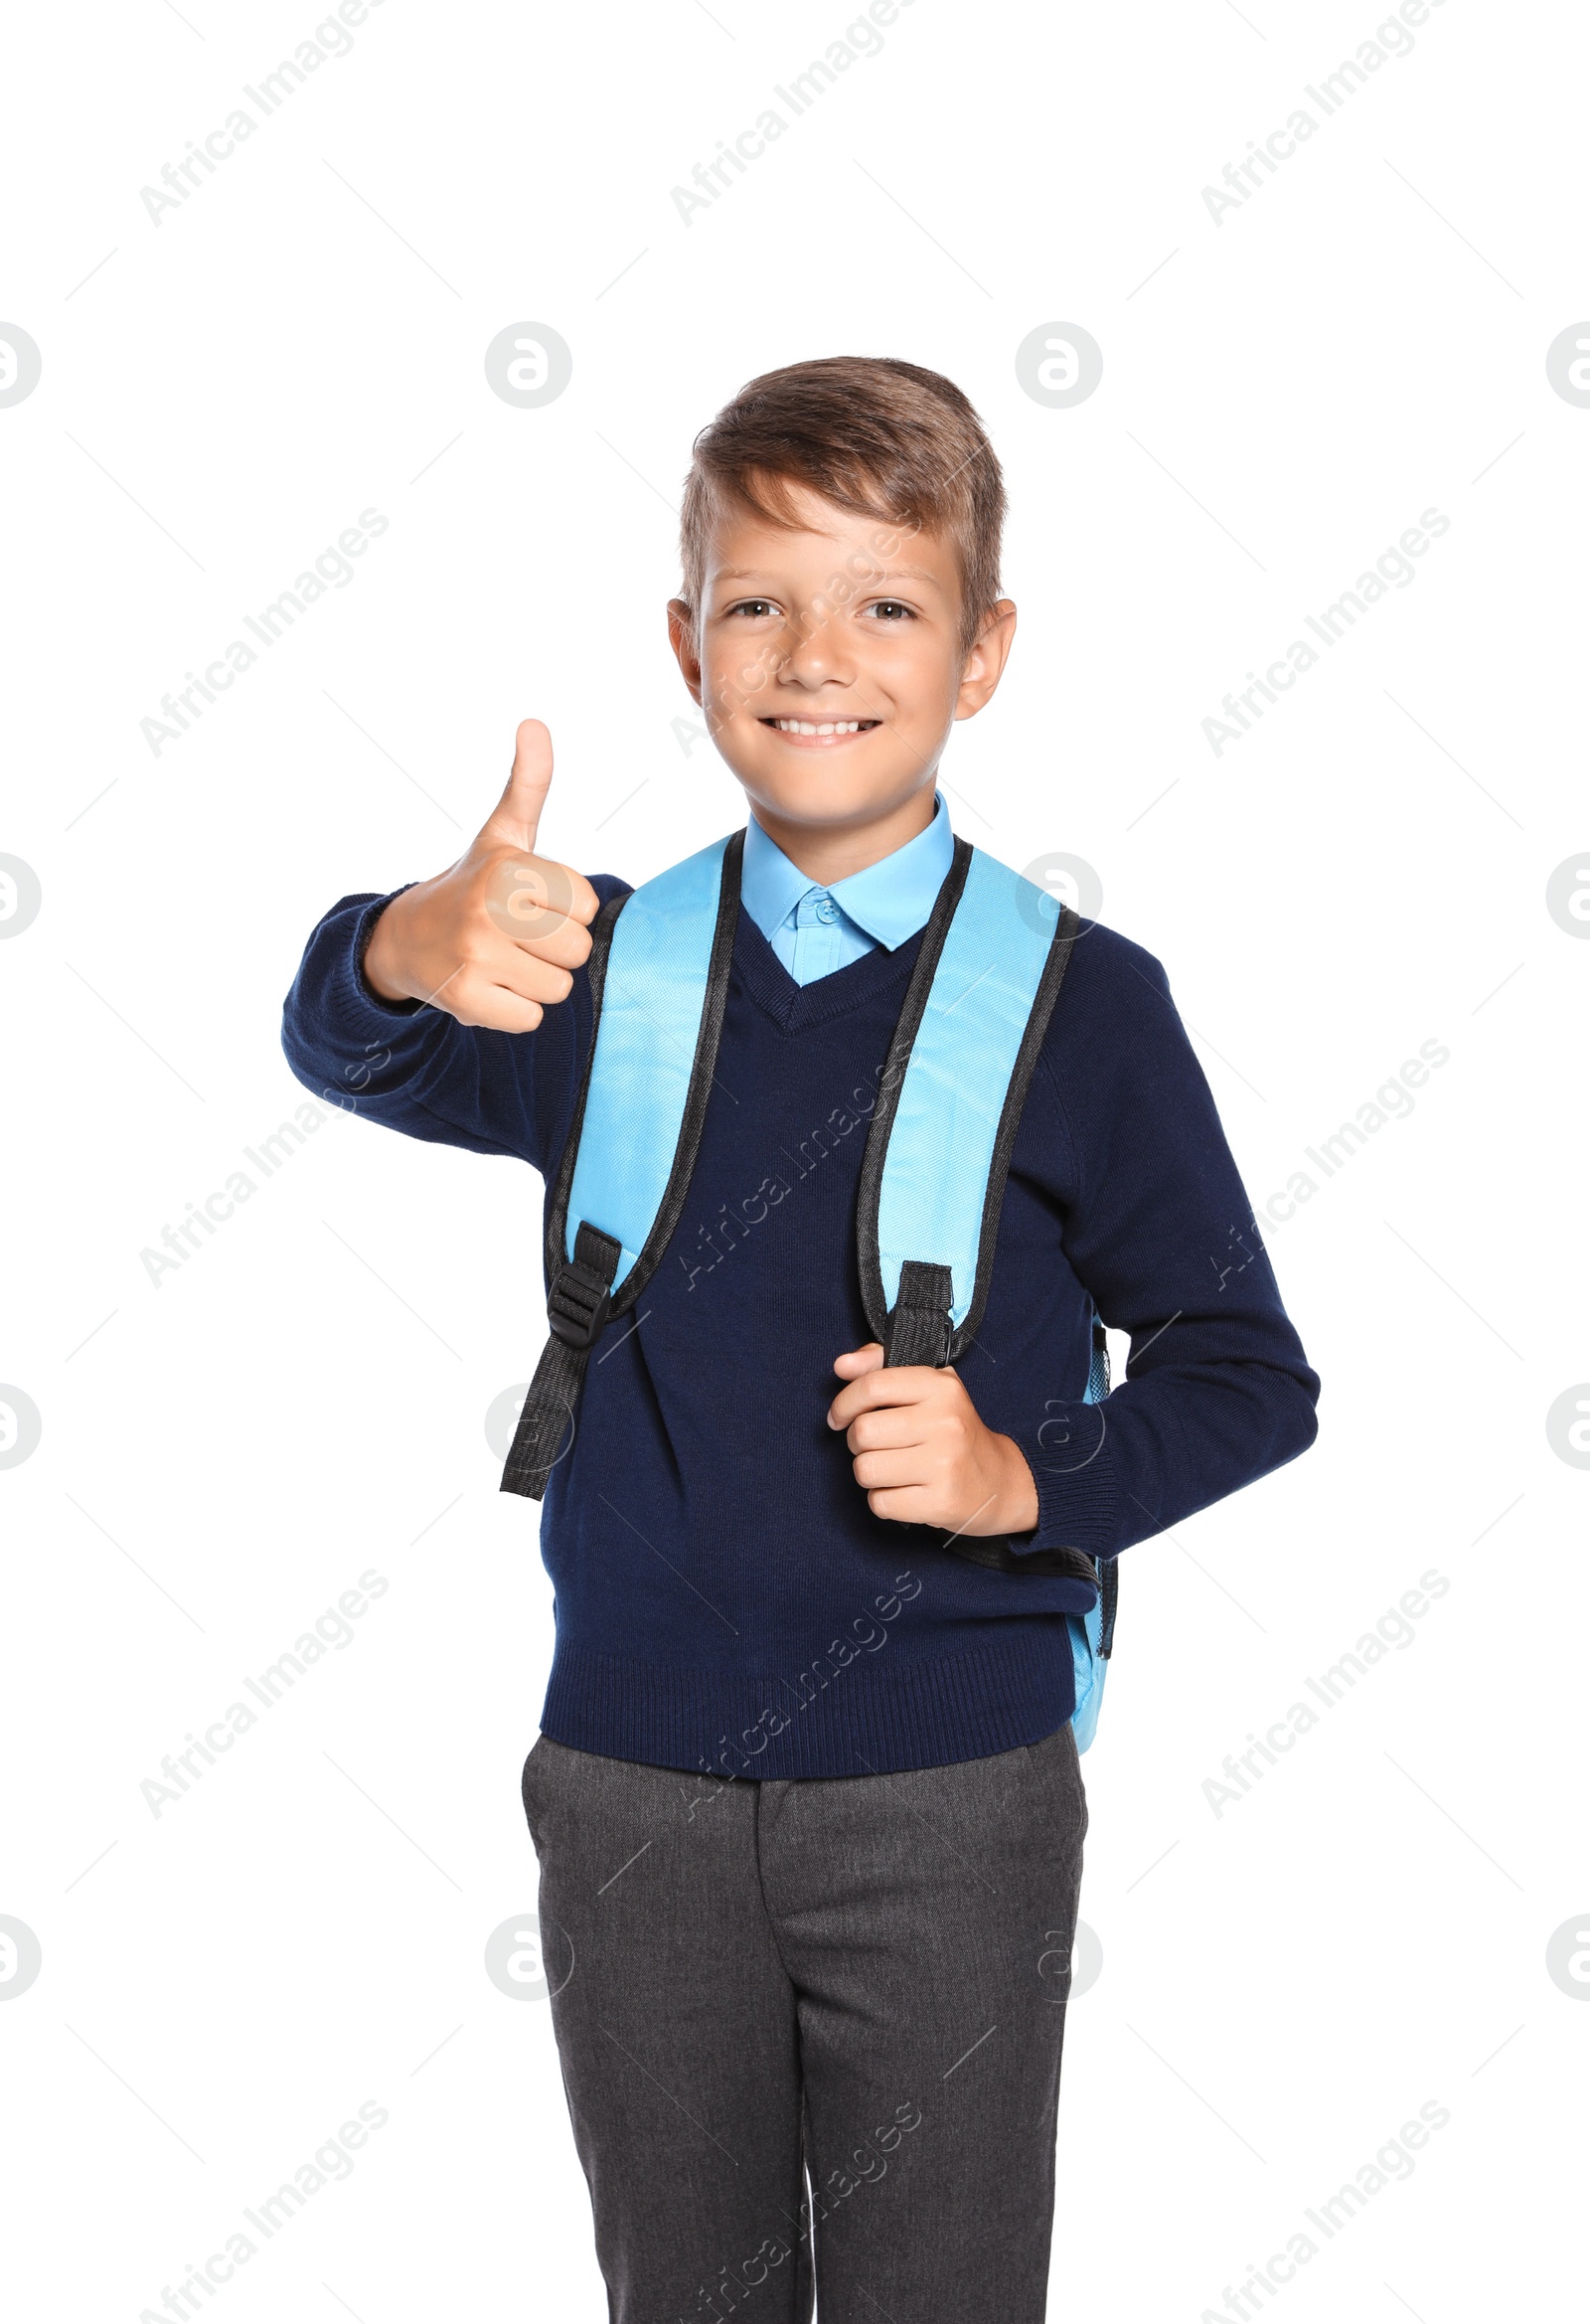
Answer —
(223, 1454)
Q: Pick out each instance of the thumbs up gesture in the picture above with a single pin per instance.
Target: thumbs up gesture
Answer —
(494, 939)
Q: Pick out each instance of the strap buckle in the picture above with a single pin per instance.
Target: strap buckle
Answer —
(580, 1299)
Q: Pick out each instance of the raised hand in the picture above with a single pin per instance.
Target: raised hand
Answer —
(495, 939)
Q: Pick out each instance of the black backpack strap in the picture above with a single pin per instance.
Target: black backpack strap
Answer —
(581, 1297)
(1109, 1594)
(578, 1306)
(918, 1327)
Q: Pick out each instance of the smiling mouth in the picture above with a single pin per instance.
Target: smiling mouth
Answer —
(816, 726)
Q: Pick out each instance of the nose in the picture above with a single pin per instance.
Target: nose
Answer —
(819, 655)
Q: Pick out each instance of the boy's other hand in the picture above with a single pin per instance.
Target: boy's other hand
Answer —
(494, 939)
(922, 1455)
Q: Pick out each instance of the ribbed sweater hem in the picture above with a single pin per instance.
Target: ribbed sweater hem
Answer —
(870, 1717)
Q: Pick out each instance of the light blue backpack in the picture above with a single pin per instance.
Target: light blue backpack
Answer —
(984, 987)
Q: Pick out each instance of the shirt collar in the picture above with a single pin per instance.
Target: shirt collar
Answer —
(891, 899)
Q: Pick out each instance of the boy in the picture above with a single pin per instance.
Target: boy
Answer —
(807, 1801)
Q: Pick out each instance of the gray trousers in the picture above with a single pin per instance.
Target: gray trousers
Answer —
(810, 2031)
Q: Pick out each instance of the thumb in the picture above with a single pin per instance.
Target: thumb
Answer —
(516, 817)
(856, 1363)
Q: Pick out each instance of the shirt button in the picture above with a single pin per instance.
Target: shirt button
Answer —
(827, 908)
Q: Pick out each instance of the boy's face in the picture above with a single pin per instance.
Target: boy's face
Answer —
(828, 663)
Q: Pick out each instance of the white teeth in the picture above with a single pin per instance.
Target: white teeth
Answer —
(829, 726)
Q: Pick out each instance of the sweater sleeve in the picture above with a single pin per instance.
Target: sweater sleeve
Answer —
(413, 1067)
(1157, 1227)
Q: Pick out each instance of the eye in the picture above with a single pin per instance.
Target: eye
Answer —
(892, 609)
(757, 607)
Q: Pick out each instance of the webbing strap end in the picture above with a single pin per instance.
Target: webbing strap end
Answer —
(545, 1421)
(919, 1328)
(578, 1306)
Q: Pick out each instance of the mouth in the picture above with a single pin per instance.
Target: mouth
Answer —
(818, 733)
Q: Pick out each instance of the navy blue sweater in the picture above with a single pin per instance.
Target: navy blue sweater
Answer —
(724, 1599)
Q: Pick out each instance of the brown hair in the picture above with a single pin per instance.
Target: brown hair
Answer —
(870, 433)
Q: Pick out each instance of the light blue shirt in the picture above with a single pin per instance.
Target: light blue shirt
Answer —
(815, 931)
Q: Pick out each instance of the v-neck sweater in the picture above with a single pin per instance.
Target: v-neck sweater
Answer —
(725, 1599)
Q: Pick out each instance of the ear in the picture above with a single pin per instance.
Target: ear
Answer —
(985, 664)
(682, 637)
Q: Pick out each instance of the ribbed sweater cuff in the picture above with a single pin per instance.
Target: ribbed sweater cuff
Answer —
(353, 997)
(1074, 1468)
